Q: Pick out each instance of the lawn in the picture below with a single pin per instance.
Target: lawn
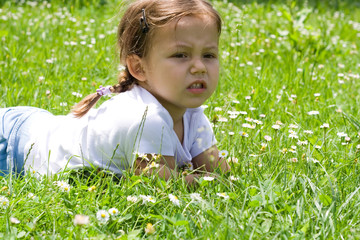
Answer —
(285, 115)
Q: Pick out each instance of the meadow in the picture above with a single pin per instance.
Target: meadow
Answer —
(285, 115)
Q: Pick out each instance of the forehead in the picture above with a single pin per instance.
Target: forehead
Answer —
(188, 28)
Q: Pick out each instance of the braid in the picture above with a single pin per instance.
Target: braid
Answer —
(126, 81)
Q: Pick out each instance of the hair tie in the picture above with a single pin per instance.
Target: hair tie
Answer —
(102, 91)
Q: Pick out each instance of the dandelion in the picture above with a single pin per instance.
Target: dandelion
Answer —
(223, 153)
(133, 199)
(14, 220)
(4, 202)
(208, 178)
(174, 199)
(147, 198)
(113, 211)
(195, 197)
(267, 138)
(149, 229)
(223, 195)
(81, 220)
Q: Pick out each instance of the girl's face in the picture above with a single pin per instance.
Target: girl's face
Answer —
(182, 67)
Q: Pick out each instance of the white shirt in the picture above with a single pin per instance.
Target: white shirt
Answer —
(109, 137)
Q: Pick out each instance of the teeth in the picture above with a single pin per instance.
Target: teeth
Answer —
(196, 85)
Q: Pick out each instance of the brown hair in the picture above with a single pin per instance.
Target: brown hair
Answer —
(135, 32)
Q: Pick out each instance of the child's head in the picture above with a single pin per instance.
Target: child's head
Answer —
(138, 32)
(135, 35)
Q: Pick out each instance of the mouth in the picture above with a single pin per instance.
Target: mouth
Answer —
(197, 85)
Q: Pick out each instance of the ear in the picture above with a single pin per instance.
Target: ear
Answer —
(135, 66)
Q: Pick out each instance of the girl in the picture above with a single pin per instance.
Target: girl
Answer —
(170, 52)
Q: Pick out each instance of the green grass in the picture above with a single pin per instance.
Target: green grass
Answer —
(287, 58)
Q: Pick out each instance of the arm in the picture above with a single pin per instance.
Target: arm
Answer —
(165, 170)
(209, 160)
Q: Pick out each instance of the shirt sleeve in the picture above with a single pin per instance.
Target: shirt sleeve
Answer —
(152, 135)
(204, 137)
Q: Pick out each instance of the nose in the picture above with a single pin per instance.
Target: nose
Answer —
(198, 66)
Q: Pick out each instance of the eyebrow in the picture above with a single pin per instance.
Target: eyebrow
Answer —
(182, 45)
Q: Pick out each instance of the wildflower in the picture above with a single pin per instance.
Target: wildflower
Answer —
(278, 122)
(248, 119)
(147, 199)
(4, 188)
(347, 139)
(308, 132)
(292, 150)
(132, 199)
(276, 127)
(235, 160)
(4, 202)
(14, 220)
(195, 197)
(83, 79)
(267, 138)
(64, 186)
(244, 134)
(174, 199)
(301, 143)
(358, 146)
(223, 195)
(247, 125)
(208, 178)
(113, 211)
(257, 122)
(293, 126)
(293, 160)
(41, 78)
(81, 220)
(223, 153)
(293, 135)
(284, 150)
(233, 178)
(154, 165)
(103, 216)
(313, 113)
(263, 146)
(259, 164)
(317, 94)
(243, 113)
(149, 229)
(341, 134)
(92, 188)
(325, 125)
(317, 147)
(262, 115)
(231, 133)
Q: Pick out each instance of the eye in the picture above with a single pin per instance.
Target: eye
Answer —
(210, 55)
(179, 55)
